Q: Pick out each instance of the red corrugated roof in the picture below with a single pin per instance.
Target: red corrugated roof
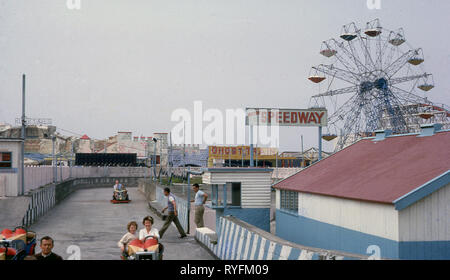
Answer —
(85, 137)
(376, 171)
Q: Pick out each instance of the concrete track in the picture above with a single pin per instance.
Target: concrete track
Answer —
(88, 220)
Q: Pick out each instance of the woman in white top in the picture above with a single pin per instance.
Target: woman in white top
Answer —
(148, 230)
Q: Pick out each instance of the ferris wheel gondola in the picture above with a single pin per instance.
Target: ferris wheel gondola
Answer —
(427, 83)
(373, 28)
(417, 59)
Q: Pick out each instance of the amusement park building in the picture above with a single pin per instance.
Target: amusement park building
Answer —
(391, 191)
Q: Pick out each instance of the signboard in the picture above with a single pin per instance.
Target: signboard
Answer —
(239, 151)
(30, 121)
(286, 117)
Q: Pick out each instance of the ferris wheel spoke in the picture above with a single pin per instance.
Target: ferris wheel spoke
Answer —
(365, 47)
(348, 56)
(333, 71)
(398, 113)
(398, 64)
(408, 78)
(409, 96)
(338, 91)
(363, 67)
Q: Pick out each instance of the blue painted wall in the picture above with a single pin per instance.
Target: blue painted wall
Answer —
(258, 217)
(425, 250)
(317, 234)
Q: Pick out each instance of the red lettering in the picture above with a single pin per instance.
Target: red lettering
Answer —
(286, 117)
(303, 117)
(293, 117)
(233, 151)
(319, 116)
(312, 118)
(280, 117)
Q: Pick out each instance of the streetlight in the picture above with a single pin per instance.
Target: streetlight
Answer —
(154, 156)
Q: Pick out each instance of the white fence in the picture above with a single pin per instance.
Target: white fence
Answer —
(37, 176)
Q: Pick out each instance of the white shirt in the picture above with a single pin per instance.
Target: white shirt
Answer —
(143, 233)
(118, 186)
(199, 197)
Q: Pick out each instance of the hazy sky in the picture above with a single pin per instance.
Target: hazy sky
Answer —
(119, 65)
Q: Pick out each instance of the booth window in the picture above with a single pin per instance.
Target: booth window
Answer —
(235, 194)
(5, 160)
(289, 200)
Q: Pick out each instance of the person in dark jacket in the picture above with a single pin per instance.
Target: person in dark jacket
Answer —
(46, 253)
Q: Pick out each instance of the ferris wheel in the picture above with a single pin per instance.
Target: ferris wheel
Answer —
(373, 79)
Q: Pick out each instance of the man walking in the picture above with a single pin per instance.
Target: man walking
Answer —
(173, 215)
(199, 202)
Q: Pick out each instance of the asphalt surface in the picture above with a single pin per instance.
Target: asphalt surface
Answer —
(89, 221)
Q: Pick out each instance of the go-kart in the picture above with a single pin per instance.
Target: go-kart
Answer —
(17, 244)
(120, 197)
(149, 249)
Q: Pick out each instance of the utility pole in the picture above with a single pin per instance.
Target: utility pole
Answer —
(320, 143)
(155, 140)
(54, 159)
(276, 161)
(303, 156)
(256, 155)
(60, 167)
(160, 161)
(71, 160)
(23, 135)
(184, 147)
(251, 146)
(171, 158)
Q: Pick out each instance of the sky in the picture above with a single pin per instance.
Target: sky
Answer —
(120, 65)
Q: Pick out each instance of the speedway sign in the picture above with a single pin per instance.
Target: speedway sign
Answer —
(286, 117)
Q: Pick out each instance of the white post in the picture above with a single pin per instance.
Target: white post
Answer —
(2, 186)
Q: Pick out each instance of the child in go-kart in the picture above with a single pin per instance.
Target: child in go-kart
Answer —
(127, 238)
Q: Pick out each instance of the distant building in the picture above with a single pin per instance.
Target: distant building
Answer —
(238, 156)
(388, 194)
(308, 157)
(10, 163)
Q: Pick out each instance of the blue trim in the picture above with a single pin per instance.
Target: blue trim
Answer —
(317, 234)
(259, 217)
(258, 247)
(266, 249)
(425, 250)
(8, 170)
(422, 191)
(237, 170)
(295, 254)
(289, 212)
(277, 251)
(252, 239)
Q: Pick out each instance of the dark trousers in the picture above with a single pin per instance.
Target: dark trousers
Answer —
(171, 218)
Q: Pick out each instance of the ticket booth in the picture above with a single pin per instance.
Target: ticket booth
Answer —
(244, 193)
(10, 162)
